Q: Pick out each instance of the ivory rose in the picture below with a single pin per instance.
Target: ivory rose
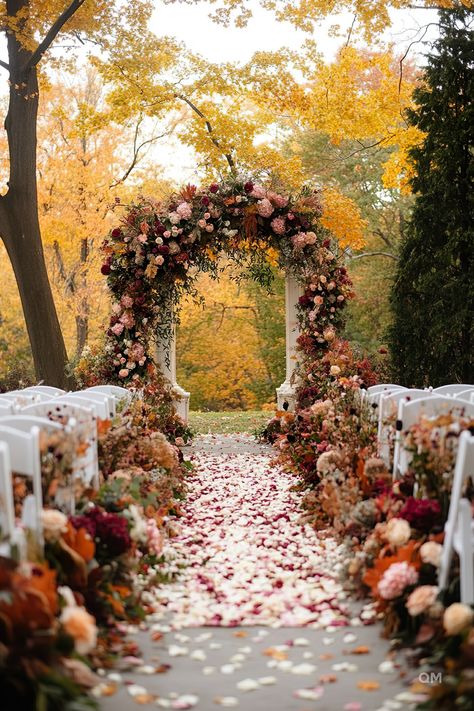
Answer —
(335, 370)
(430, 552)
(457, 618)
(421, 599)
(398, 532)
(54, 524)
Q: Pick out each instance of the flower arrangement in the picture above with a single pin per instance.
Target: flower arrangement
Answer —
(393, 530)
(151, 259)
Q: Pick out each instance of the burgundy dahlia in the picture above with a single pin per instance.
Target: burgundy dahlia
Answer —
(105, 269)
(422, 514)
(109, 530)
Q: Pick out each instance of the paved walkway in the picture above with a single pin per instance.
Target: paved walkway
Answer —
(257, 619)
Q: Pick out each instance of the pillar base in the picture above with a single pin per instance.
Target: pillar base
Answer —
(286, 393)
(181, 401)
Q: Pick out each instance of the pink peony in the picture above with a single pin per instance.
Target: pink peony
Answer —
(279, 225)
(299, 240)
(184, 210)
(126, 301)
(396, 579)
(155, 539)
(117, 329)
(127, 319)
(258, 192)
(277, 200)
(264, 207)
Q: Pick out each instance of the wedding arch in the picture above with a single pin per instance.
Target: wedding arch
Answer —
(155, 254)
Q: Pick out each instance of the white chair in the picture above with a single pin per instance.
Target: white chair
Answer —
(116, 391)
(45, 390)
(7, 511)
(388, 407)
(24, 423)
(459, 528)
(20, 398)
(82, 419)
(25, 460)
(467, 395)
(381, 387)
(452, 389)
(96, 401)
(6, 408)
(409, 413)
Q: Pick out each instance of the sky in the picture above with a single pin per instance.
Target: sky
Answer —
(192, 25)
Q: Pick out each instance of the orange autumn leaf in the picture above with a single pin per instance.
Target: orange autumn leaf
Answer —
(361, 649)
(103, 426)
(407, 553)
(368, 685)
(80, 542)
(43, 580)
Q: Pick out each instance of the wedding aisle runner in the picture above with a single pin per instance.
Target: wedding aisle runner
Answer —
(257, 618)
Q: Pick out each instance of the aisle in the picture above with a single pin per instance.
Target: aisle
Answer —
(257, 619)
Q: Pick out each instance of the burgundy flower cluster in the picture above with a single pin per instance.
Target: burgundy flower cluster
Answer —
(109, 531)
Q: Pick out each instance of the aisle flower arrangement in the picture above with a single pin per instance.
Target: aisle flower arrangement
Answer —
(393, 529)
(98, 562)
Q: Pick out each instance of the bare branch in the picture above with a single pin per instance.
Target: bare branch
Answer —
(136, 152)
(214, 140)
(4, 65)
(374, 254)
(52, 33)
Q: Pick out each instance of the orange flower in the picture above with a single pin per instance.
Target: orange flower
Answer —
(408, 553)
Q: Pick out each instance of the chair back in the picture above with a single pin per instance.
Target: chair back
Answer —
(388, 405)
(25, 459)
(452, 389)
(46, 390)
(7, 512)
(96, 401)
(116, 391)
(464, 468)
(24, 423)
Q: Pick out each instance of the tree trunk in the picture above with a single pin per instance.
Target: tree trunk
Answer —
(19, 224)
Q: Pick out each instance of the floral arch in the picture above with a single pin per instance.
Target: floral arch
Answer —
(154, 256)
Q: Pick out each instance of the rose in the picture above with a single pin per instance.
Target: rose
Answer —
(184, 210)
(248, 187)
(395, 579)
(159, 260)
(430, 552)
(105, 269)
(398, 532)
(123, 373)
(422, 514)
(335, 370)
(214, 188)
(81, 627)
(457, 618)
(265, 207)
(54, 524)
(421, 599)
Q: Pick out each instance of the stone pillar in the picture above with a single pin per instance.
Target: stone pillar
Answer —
(166, 360)
(286, 391)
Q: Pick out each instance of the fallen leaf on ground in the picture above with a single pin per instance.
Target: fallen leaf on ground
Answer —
(368, 685)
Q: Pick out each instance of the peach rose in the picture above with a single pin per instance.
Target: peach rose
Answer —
(421, 599)
(430, 552)
(81, 627)
(398, 532)
(457, 618)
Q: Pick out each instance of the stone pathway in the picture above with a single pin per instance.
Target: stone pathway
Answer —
(257, 620)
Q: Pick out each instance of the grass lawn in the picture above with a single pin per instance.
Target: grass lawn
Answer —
(228, 422)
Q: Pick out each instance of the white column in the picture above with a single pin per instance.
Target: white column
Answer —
(166, 360)
(286, 392)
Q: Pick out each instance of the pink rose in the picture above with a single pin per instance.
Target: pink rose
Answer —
(159, 260)
(123, 373)
(279, 225)
(264, 207)
(117, 329)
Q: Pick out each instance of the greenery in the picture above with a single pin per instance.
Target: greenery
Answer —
(227, 422)
(432, 336)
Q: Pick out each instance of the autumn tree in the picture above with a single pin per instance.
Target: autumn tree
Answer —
(433, 297)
